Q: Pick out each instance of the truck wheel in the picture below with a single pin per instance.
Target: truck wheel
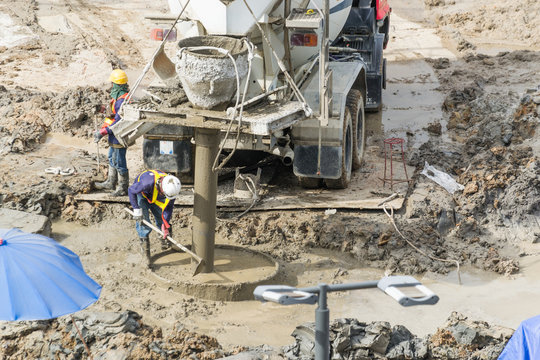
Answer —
(346, 155)
(355, 103)
(384, 74)
(385, 29)
(309, 182)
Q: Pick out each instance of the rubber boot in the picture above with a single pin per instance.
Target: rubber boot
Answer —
(123, 184)
(110, 183)
(145, 251)
(164, 244)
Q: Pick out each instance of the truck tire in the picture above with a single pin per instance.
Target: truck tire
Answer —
(346, 155)
(309, 182)
(355, 103)
(385, 29)
(384, 74)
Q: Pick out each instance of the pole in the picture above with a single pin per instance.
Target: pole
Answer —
(97, 145)
(322, 325)
(204, 204)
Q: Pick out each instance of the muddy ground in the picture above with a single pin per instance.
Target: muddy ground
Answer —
(482, 81)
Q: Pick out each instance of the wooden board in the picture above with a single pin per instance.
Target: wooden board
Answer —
(279, 202)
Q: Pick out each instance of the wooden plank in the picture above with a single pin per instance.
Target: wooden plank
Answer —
(227, 203)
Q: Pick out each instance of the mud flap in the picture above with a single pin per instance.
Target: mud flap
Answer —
(305, 161)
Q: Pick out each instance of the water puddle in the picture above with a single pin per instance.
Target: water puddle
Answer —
(68, 141)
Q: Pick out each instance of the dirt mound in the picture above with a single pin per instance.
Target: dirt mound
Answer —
(491, 155)
(460, 338)
(502, 21)
(108, 335)
(124, 335)
(26, 116)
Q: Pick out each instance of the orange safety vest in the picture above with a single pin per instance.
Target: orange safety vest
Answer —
(162, 205)
(108, 121)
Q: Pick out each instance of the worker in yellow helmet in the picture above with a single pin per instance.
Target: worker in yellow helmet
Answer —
(118, 176)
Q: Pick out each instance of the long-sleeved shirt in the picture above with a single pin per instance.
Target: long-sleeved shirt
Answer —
(145, 183)
(117, 105)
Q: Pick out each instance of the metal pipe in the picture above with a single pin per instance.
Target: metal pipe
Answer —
(204, 203)
(322, 326)
(342, 287)
(286, 153)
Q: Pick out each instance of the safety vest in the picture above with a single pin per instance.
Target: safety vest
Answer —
(162, 205)
(113, 102)
(108, 121)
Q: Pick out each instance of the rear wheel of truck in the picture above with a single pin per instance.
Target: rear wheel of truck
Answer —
(346, 155)
(355, 103)
(309, 182)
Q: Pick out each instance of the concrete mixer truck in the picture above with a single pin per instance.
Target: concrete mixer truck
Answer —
(287, 77)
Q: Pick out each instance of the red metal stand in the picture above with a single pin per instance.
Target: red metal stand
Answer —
(392, 148)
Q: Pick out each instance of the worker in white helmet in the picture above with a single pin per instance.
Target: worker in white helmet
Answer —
(118, 175)
(153, 191)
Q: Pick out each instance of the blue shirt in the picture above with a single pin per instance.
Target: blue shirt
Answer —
(145, 183)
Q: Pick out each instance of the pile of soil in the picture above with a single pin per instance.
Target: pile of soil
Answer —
(459, 338)
(107, 335)
(26, 116)
(123, 335)
(492, 22)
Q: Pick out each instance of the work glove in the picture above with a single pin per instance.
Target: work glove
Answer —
(166, 231)
(99, 134)
(137, 214)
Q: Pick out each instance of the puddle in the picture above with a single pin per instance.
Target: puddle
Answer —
(106, 249)
(482, 296)
(68, 141)
(411, 102)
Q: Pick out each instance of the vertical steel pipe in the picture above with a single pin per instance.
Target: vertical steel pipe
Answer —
(322, 326)
(204, 203)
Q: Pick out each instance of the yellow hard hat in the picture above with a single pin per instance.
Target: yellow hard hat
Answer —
(118, 77)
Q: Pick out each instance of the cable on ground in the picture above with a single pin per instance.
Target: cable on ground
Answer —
(391, 217)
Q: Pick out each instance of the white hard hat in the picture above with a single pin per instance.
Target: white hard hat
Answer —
(170, 185)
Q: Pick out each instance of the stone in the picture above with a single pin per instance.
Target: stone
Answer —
(470, 188)
(27, 222)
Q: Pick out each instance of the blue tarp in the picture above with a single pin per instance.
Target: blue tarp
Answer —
(525, 343)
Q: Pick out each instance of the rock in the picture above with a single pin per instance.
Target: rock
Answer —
(435, 129)
(29, 223)
(470, 188)
(446, 221)
(106, 324)
(526, 99)
(433, 3)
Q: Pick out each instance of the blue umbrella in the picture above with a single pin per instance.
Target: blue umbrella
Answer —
(40, 279)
